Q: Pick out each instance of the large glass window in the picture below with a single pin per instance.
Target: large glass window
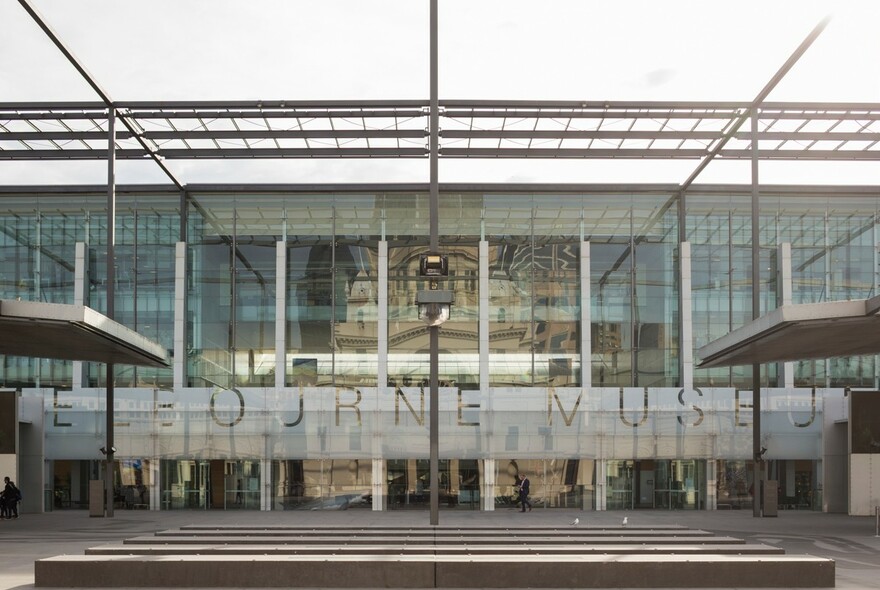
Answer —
(719, 230)
(634, 289)
(553, 483)
(231, 301)
(321, 484)
(534, 289)
(409, 484)
(210, 307)
(508, 229)
(148, 227)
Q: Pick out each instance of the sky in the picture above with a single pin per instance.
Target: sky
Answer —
(489, 49)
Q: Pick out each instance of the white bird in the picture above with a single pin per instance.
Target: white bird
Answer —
(624, 521)
(575, 522)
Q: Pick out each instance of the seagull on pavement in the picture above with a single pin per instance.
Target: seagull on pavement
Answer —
(624, 521)
(575, 522)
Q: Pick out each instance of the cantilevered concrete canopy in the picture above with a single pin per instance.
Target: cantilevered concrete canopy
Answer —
(800, 332)
(72, 332)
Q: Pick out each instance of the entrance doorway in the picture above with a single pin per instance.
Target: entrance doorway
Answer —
(218, 484)
(665, 484)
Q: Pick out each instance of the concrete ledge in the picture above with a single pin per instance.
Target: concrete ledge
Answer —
(425, 541)
(639, 571)
(721, 548)
(376, 571)
(440, 534)
(230, 572)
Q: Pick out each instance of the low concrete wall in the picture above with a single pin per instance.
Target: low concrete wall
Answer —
(538, 571)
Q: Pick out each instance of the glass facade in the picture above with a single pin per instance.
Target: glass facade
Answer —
(301, 367)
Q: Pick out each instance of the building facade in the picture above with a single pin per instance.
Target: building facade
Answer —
(300, 367)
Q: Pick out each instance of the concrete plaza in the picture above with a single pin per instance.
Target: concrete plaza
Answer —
(850, 541)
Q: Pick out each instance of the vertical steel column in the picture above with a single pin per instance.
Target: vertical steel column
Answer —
(756, 313)
(111, 293)
(434, 331)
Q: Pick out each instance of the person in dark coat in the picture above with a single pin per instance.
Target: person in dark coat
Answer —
(11, 496)
(524, 492)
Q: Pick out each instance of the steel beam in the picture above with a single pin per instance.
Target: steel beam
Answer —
(756, 313)
(434, 246)
(205, 113)
(453, 152)
(109, 478)
(738, 121)
(93, 83)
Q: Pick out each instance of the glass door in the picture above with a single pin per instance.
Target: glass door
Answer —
(242, 485)
(679, 484)
(619, 485)
(185, 484)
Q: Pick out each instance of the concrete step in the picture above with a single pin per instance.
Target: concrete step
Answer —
(439, 535)
(739, 548)
(431, 533)
(440, 571)
(388, 557)
(317, 540)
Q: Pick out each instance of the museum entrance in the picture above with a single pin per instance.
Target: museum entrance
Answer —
(217, 484)
(662, 484)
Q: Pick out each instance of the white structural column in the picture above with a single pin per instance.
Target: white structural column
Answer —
(484, 320)
(687, 355)
(280, 365)
(586, 320)
(280, 314)
(266, 481)
(487, 493)
(79, 298)
(379, 491)
(686, 313)
(783, 285)
(179, 358)
(155, 487)
(179, 315)
(382, 317)
(587, 364)
(601, 478)
(379, 481)
(711, 491)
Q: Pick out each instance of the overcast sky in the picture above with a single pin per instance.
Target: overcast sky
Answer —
(378, 49)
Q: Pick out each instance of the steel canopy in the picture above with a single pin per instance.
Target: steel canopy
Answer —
(800, 332)
(72, 332)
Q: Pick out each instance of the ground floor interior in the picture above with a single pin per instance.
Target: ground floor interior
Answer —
(403, 484)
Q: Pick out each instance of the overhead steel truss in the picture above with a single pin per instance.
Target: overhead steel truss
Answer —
(468, 129)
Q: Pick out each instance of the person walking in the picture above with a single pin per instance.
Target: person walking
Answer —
(11, 496)
(524, 492)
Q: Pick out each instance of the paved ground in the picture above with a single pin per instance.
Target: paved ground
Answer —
(850, 541)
